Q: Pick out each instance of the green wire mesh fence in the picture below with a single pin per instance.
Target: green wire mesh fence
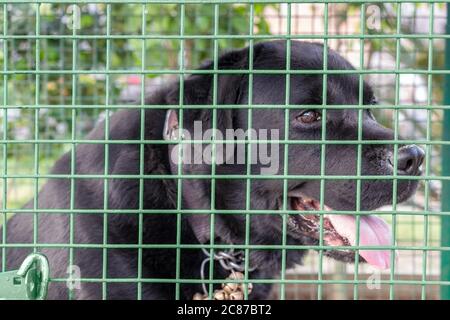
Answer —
(66, 66)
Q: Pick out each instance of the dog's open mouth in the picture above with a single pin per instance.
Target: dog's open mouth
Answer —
(341, 230)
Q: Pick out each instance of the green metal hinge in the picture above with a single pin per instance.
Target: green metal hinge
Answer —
(30, 282)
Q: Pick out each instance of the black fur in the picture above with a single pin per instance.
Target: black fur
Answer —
(230, 193)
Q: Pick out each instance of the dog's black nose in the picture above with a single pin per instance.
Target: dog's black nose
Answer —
(410, 158)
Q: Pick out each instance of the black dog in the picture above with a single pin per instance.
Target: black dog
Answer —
(152, 186)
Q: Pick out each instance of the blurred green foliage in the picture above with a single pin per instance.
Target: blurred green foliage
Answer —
(97, 54)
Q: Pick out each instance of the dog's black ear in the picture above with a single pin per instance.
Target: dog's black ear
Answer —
(199, 90)
(196, 193)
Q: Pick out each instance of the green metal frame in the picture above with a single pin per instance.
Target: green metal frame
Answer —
(445, 221)
(37, 176)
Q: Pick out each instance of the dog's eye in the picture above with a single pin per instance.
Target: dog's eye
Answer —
(309, 116)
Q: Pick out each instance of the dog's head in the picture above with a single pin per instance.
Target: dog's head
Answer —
(295, 169)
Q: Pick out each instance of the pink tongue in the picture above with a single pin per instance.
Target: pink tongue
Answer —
(373, 232)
